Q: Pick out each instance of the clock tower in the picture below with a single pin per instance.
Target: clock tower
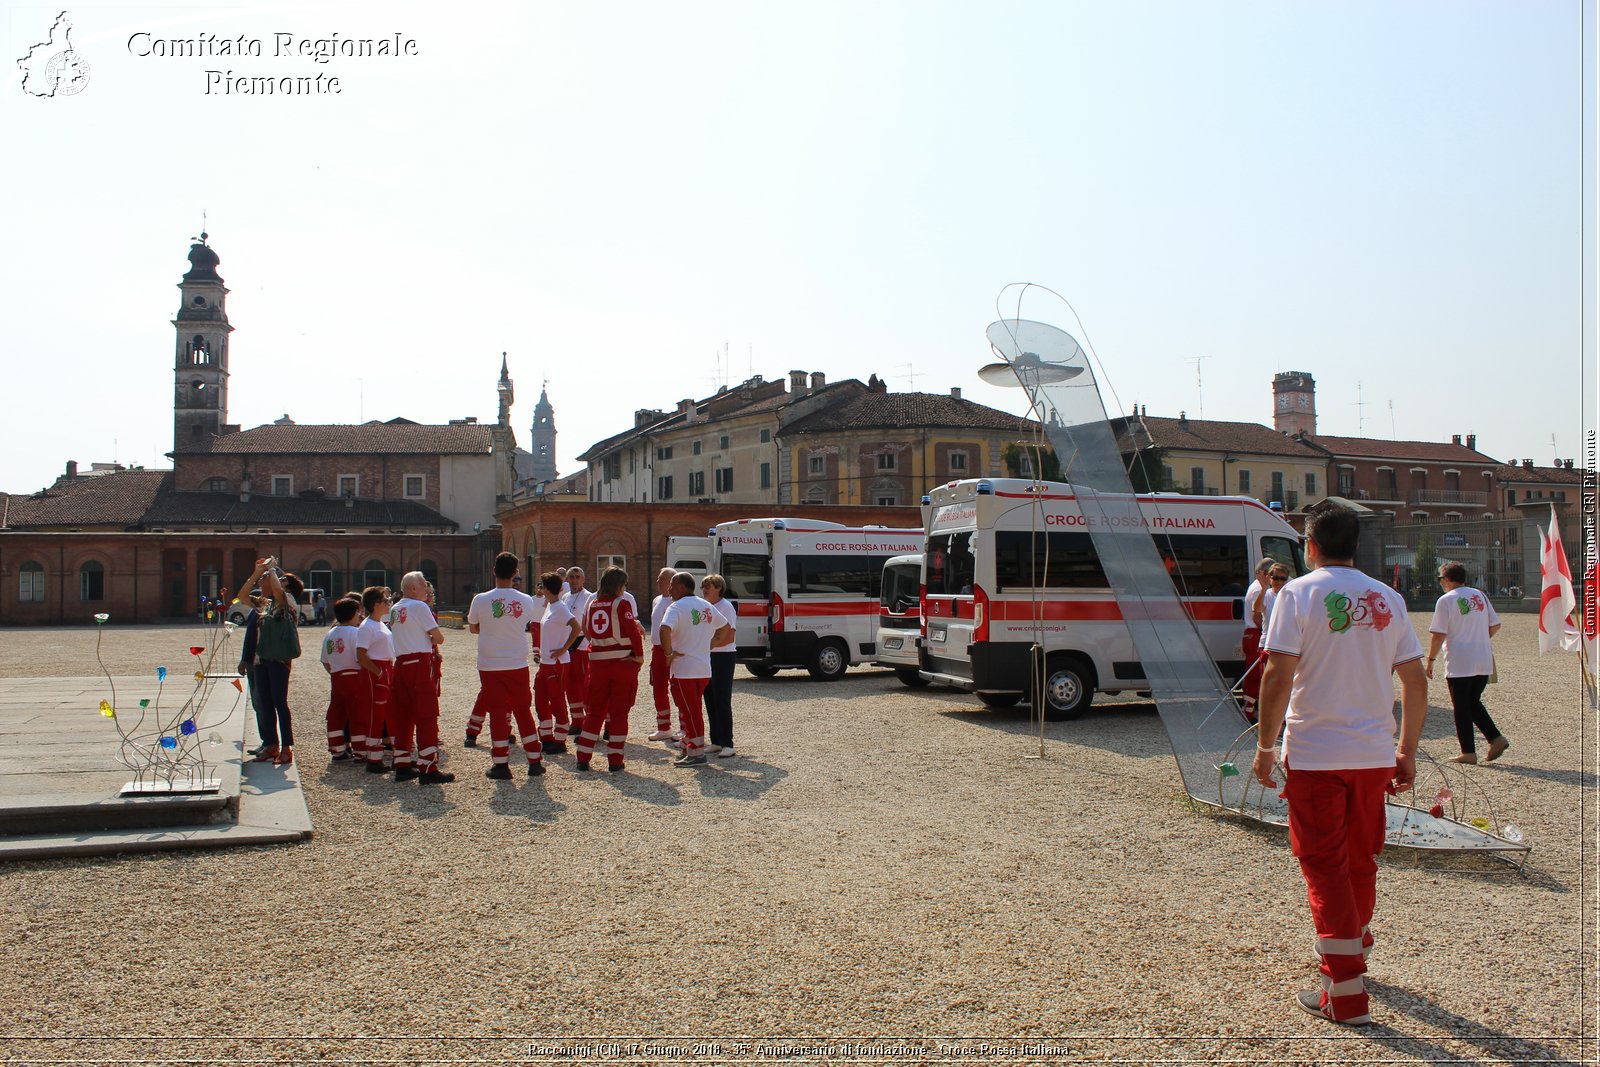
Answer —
(1294, 402)
(200, 363)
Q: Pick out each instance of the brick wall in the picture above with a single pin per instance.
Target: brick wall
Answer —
(380, 477)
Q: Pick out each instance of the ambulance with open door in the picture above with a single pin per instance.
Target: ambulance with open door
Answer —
(988, 597)
(807, 591)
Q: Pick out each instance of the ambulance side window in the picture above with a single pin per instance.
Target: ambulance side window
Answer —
(951, 567)
(1286, 552)
(1205, 564)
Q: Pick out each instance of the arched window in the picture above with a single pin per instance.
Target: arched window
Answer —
(375, 573)
(92, 581)
(198, 353)
(30, 583)
(320, 576)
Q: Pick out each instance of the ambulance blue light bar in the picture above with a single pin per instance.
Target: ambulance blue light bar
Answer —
(985, 489)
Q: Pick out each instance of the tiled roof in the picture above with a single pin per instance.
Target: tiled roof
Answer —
(900, 411)
(388, 438)
(116, 500)
(227, 510)
(1208, 436)
(1377, 448)
(735, 403)
(1538, 475)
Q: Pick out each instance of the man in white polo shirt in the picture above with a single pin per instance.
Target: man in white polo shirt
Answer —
(1463, 623)
(500, 618)
(688, 631)
(1335, 639)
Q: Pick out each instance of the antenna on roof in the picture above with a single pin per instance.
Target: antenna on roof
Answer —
(1392, 435)
(1553, 449)
(1361, 422)
(910, 375)
(1200, 396)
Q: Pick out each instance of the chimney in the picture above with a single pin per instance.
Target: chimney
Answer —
(1455, 439)
(1527, 464)
(686, 409)
(1568, 464)
(349, 500)
(645, 416)
(72, 468)
(817, 380)
(1472, 441)
(797, 382)
(244, 489)
(955, 391)
(1183, 420)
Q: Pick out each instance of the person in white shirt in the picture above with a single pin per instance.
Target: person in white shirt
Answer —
(1276, 579)
(660, 670)
(1250, 684)
(415, 701)
(375, 655)
(576, 679)
(500, 618)
(558, 632)
(1336, 638)
(1463, 623)
(719, 693)
(348, 688)
(691, 627)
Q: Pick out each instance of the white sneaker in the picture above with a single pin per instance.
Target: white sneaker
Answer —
(660, 735)
(725, 753)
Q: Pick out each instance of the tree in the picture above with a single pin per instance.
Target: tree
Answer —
(1045, 467)
(1146, 470)
(1426, 561)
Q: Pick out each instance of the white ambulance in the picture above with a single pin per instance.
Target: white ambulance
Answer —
(900, 619)
(806, 590)
(988, 599)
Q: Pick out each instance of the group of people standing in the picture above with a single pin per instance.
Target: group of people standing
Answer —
(587, 650)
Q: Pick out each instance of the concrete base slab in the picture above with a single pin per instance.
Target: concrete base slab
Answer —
(61, 782)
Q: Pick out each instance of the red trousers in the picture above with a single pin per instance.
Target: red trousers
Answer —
(689, 694)
(505, 695)
(551, 697)
(416, 712)
(660, 668)
(575, 682)
(613, 685)
(378, 715)
(479, 712)
(1252, 670)
(347, 710)
(1336, 830)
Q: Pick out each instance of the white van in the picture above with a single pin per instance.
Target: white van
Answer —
(806, 590)
(989, 542)
(900, 619)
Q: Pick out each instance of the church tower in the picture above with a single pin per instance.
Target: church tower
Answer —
(200, 368)
(543, 444)
(504, 438)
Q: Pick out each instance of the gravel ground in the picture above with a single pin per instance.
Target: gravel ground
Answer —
(881, 867)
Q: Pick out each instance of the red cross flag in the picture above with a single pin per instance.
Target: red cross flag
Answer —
(1556, 601)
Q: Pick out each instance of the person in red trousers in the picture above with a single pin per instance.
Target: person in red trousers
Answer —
(616, 653)
(499, 617)
(415, 699)
(347, 729)
(691, 627)
(375, 656)
(557, 633)
(1335, 638)
(660, 669)
(1250, 684)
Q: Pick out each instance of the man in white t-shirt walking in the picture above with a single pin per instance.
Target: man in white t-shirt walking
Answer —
(688, 631)
(1335, 638)
(500, 618)
(1463, 623)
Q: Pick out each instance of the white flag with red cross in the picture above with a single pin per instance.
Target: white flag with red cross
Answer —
(1556, 600)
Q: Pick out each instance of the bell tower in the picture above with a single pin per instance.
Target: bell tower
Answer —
(200, 361)
(543, 442)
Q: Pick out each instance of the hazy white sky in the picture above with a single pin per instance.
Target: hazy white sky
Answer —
(1388, 195)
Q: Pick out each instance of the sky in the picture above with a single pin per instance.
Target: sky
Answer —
(638, 202)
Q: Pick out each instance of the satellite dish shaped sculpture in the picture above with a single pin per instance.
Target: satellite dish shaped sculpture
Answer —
(1203, 722)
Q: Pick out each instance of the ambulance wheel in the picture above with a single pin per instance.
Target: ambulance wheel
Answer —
(761, 670)
(1000, 700)
(829, 661)
(910, 676)
(1068, 688)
